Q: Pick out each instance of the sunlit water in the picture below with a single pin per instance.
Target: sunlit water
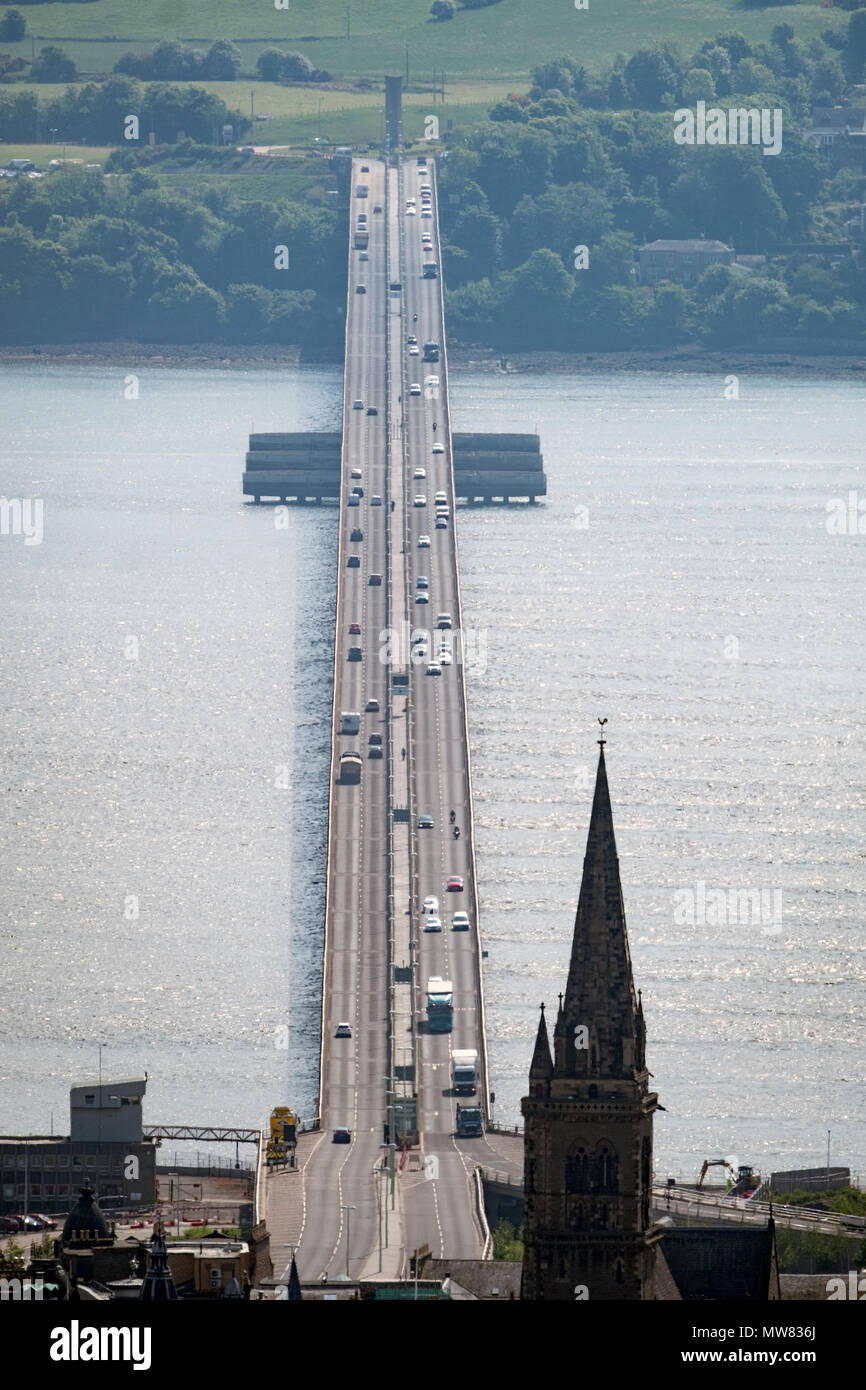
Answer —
(680, 580)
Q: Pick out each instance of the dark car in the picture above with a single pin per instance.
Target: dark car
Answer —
(360, 289)
(377, 208)
(354, 654)
(357, 534)
(354, 562)
(375, 579)
(373, 706)
(371, 410)
(375, 752)
(342, 1136)
(425, 822)
(375, 740)
(8, 1224)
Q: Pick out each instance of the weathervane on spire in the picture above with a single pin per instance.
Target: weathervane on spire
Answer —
(602, 740)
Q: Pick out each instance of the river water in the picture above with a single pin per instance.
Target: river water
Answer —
(166, 697)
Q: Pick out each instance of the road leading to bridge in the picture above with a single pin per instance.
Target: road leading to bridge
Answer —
(378, 865)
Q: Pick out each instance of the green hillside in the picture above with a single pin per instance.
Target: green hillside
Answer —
(503, 40)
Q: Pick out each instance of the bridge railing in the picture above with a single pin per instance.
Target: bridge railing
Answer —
(487, 1239)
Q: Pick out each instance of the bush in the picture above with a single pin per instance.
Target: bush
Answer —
(12, 26)
(443, 9)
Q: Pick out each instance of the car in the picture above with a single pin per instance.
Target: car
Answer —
(375, 740)
(444, 657)
(357, 473)
(344, 1030)
(357, 405)
(374, 751)
(419, 654)
(353, 562)
(342, 1136)
(354, 500)
(441, 523)
(432, 923)
(377, 208)
(354, 654)
(363, 256)
(454, 884)
(430, 904)
(357, 492)
(415, 388)
(372, 706)
(372, 410)
(375, 579)
(440, 497)
(375, 501)
(443, 622)
(419, 502)
(365, 168)
(422, 582)
(434, 669)
(423, 542)
(354, 629)
(420, 473)
(422, 598)
(425, 823)
(410, 212)
(431, 381)
(411, 339)
(460, 921)
(425, 212)
(356, 534)
(439, 448)
(414, 350)
(360, 289)
(8, 1225)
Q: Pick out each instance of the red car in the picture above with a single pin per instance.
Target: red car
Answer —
(355, 629)
(454, 884)
(47, 1221)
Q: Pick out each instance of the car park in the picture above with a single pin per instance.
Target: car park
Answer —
(344, 1030)
(425, 822)
(342, 1136)
(432, 922)
(454, 884)
(460, 921)
(430, 904)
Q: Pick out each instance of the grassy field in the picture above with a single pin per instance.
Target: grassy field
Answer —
(504, 40)
(42, 154)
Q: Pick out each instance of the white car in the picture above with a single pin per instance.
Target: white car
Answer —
(420, 473)
(444, 658)
(432, 923)
(420, 502)
(356, 473)
(430, 904)
(423, 542)
(441, 523)
(425, 212)
(431, 381)
(441, 497)
(434, 669)
(460, 921)
(410, 212)
(439, 448)
(415, 388)
(414, 350)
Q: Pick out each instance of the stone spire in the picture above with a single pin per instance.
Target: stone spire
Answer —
(542, 1062)
(601, 1023)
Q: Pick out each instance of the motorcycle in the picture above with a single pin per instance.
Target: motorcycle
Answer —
(456, 832)
(452, 816)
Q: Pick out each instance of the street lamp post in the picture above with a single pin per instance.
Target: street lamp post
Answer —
(347, 1208)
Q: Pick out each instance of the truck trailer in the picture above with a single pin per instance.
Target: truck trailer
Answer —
(464, 1071)
(440, 1005)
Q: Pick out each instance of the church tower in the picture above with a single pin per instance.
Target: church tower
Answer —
(588, 1230)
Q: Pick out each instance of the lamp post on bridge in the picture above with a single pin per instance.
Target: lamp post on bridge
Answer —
(347, 1208)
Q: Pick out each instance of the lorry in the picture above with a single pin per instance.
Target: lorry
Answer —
(464, 1071)
(440, 1003)
(431, 352)
(469, 1122)
(350, 722)
(350, 768)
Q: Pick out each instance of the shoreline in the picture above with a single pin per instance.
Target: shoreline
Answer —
(695, 361)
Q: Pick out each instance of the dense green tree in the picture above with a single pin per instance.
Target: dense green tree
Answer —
(222, 62)
(294, 67)
(53, 65)
(443, 9)
(268, 64)
(653, 75)
(854, 52)
(13, 26)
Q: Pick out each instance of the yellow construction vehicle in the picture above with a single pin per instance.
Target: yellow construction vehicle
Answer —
(744, 1179)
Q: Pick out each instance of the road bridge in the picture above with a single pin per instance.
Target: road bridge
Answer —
(355, 1208)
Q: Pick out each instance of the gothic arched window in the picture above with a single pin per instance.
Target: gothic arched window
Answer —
(606, 1169)
(577, 1171)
